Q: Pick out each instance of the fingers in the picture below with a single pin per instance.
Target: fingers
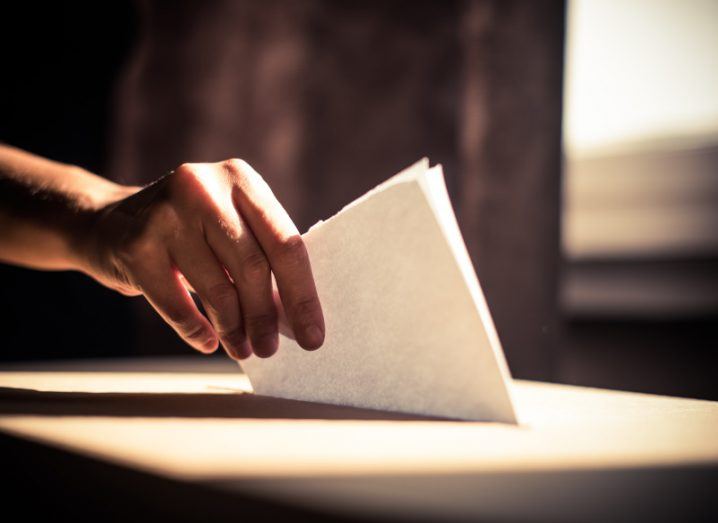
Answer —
(205, 274)
(235, 245)
(224, 235)
(161, 285)
(283, 246)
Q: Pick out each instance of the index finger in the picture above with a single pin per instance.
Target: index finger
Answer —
(283, 245)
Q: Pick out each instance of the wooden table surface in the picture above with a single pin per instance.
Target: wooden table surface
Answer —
(578, 454)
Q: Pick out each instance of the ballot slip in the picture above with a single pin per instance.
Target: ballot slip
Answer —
(407, 326)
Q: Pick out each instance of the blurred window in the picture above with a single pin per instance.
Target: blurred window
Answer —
(640, 228)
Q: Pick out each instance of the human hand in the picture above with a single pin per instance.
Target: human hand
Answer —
(216, 229)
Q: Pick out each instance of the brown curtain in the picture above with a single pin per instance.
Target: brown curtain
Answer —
(327, 98)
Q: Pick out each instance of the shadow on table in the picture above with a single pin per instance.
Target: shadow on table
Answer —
(183, 405)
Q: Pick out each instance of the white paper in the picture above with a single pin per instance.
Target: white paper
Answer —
(407, 326)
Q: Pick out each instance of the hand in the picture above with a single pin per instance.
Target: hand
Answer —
(216, 229)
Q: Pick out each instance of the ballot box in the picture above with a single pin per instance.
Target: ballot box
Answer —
(186, 438)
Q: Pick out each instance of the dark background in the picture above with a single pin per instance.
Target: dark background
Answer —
(61, 64)
(65, 75)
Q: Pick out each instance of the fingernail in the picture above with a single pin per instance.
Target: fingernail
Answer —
(266, 345)
(238, 351)
(236, 345)
(313, 337)
(243, 350)
(209, 345)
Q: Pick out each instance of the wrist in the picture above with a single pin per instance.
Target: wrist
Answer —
(48, 210)
(83, 237)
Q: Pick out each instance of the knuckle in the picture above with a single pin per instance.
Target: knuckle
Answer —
(236, 166)
(185, 324)
(242, 174)
(186, 179)
(184, 170)
(260, 324)
(193, 331)
(234, 335)
(291, 251)
(255, 267)
(222, 297)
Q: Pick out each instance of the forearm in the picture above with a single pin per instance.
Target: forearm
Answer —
(47, 209)
(214, 228)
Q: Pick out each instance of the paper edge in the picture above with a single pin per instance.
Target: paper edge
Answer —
(411, 173)
(433, 185)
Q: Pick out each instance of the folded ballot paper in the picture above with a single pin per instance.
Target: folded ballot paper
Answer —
(407, 326)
